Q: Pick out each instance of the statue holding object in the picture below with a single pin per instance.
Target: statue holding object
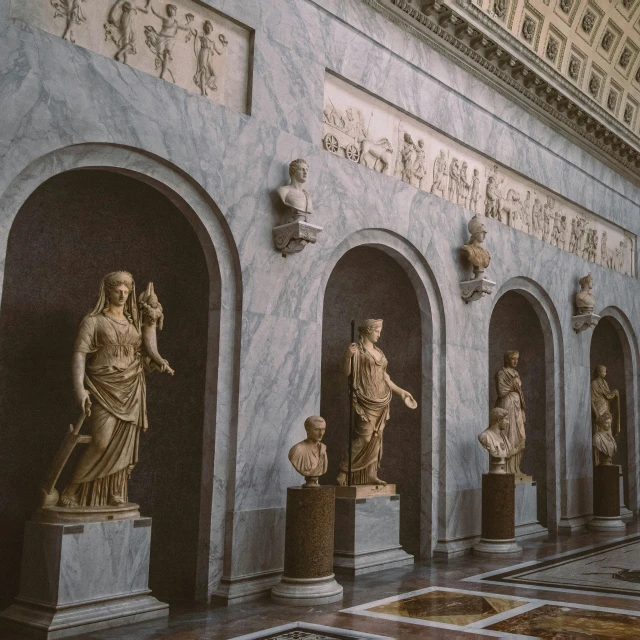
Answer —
(115, 346)
(371, 393)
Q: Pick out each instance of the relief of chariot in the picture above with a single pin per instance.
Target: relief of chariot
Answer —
(347, 133)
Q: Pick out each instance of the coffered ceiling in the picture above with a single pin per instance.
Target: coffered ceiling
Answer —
(594, 44)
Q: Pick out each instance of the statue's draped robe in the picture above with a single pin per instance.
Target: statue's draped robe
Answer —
(496, 444)
(603, 445)
(309, 458)
(601, 403)
(371, 400)
(511, 400)
(114, 376)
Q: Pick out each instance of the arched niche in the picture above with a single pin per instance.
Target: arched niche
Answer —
(613, 346)
(160, 194)
(519, 322)
(377, 274)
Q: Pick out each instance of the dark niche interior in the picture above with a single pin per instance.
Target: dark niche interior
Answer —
(367, 283)
(606, 349)
(515, 326)
(74, 229)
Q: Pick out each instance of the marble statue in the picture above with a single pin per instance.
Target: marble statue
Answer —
(439, 174)
(495, 441)
(115, 347)
(475, 191)
(604, 444)
(371, 397)
(585, 300)
(511, 399)
(406, 158)
(71, 11)
(603, 400)
(294, 195)
(161, 43)
(309, 457)
(473, 250)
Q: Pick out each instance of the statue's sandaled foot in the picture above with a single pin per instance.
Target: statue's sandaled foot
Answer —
(116, 501)
(376, 480)
(69, 501)
(341, 479)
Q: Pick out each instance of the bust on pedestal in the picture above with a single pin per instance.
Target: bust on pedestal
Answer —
(585, 304)
(308, 577)
(368, 510)
(498, 492)
(606, 485)
(479, 258)
(85, 562)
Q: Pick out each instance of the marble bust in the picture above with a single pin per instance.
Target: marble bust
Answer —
(473, 250)
(585, 300)
(495, 441)
(604, 444)
(293, 195)
(309, 457)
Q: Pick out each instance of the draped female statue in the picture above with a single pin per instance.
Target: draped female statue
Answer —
(511, 399)
(371, 396)
(115, 346)
(603, 400)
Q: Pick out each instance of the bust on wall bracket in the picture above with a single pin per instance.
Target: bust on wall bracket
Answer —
(585, 304)
(479, 258)
(296, 233)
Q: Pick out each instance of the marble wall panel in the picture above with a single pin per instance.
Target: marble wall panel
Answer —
(183, 42)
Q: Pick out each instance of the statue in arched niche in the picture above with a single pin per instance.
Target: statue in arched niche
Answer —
(511, 399)
(371, 397)
(603, 400)
(115, 346)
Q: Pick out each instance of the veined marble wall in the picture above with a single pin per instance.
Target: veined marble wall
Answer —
(363, 129)
(181, 42)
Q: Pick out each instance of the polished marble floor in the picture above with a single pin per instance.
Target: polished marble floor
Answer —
(453, 607)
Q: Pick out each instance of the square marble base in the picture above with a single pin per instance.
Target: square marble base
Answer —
(84, 577)
(367, 535)
(527, 525)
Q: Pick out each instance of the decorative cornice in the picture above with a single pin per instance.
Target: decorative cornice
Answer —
(503, 63)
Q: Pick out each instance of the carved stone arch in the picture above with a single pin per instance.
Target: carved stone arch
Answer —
(433, 422)
(631, 354)
(224, 317)
(549, 320)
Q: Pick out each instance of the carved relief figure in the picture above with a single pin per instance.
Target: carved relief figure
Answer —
(439, 175)
(604, 443)
(475, 191)
(464, 185)
(607, 41)
(420, 163)
(473, 250)
(492, 199)
(500, 8)
(588, 21)
(121, 25)
(380, 151)
(354, 124)
(526, 213)
(558, 237)
(372, 393)
(628, 114)
(612, 100)
(205, 49)
(309, 457)
(528, 29)
(552, 49)
(511, 208)
(585, 300)
(454, 180)
(538, 221)
(511, 399)
(603, 400)
(406, 158)
(566, 5)
(548, 214)
(594, 86)
(495, 441)
(293, 195)
(115, 346)
(625, 57)
(71, 11)
(574, 68)
(162, 43)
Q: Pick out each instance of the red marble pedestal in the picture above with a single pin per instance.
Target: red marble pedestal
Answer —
(606, 501)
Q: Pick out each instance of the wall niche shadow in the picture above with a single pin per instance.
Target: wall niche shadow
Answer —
(367, 283)
(606, 349)
(74, 229)
(515, 326)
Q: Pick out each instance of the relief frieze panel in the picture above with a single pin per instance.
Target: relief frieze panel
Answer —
(363, 129)
(181, 42)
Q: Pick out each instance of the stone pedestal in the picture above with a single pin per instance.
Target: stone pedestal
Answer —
(498, 517)
(584, 321)
(308, 549)
(526, 500)
(79, 578)
(606, 501)
(472, 290)
(368, 531)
